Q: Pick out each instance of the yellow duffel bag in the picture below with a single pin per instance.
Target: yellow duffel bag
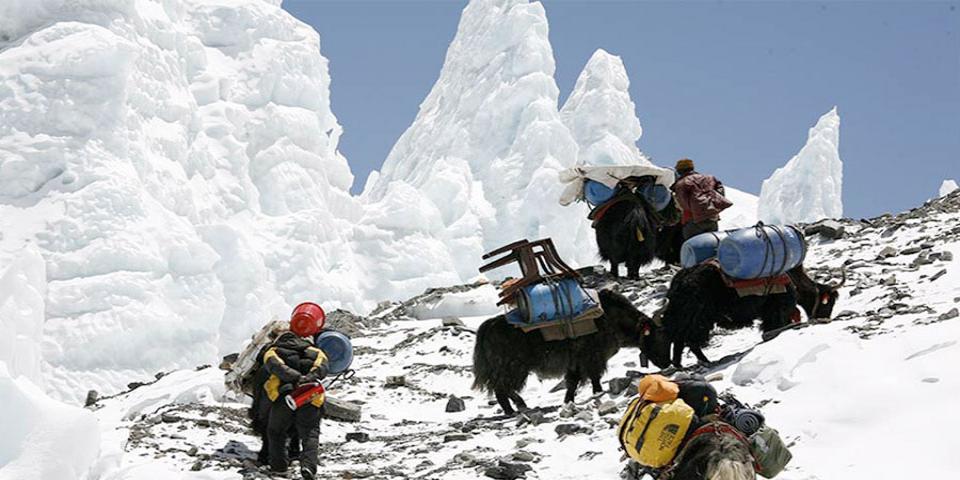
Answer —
(651, 433)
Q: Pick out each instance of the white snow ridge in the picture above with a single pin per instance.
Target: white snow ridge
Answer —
(809, 187)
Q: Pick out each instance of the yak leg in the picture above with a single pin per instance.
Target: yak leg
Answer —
(503, 399)
(595, 382)
(678, 354)
(633, 269)
(521, 405)
(699, 354)
(573, 381)
(615, 269)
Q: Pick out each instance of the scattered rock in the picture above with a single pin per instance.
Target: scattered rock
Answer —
(831, 229)
(169, 418)
(451, 322)
(394, 381)
(584, 416)
(193, 451)
(946, 256)
(930, 380)
(465, 458)
(533, 417)
(455, 404)
(607, 408)
(523, 456)
(197, 466)
(341, 410)
(228, 361)
(616, 386)
(938, 275)
(570, 429)
(455, 437)
(359, 437)
(910, 250)
(507, 470)
(135, 385)
(890, 281)
(568, 410)
(92, 397)
(953, 313)
(887, 252)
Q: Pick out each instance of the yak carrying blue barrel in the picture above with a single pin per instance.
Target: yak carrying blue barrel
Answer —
(761, 251)
(338, 349)
(596, 193)
(548, 301)
(657, 195)
(700, 248)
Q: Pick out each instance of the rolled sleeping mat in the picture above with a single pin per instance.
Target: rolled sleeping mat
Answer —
(747, 420)
(700, 248)
(761, 251)
(548, 301)
(657, 195)
(596, 193)
(338, 349)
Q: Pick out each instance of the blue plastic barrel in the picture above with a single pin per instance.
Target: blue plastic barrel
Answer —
(700, 248)
(596, 192)
(548, 301)
(657, 195)
(338, 349)
(761, 251)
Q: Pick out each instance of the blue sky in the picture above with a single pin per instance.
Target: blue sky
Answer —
(733, 85)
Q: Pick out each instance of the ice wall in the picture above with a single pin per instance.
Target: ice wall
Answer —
(947, 187)
(809, 187)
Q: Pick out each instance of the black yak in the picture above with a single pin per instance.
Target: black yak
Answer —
(627, 230)
(715, 456)
(817, 299)
(699, 299)
(504, 356)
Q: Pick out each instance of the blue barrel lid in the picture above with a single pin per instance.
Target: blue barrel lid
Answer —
(338, 349)
(596, 192)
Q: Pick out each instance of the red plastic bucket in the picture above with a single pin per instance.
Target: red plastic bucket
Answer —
(302, 395)
(307, 319)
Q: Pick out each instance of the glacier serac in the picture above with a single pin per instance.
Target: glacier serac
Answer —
(601, 115)
(483, 154)
(947, 187)
(809, 187)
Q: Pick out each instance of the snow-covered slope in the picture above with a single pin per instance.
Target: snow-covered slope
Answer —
(809, 187)
(601, 115)
(947, 187)
(175, 164)
(835, 391)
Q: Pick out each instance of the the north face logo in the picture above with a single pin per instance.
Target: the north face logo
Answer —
(667, 435)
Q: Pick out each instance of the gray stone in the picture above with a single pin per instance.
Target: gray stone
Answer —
(887, 252)
(946, 256)
(465, 458)
(890, 281)
(616, 386)
(455, 404)
(584, 416)
(523, 456)
(927, 245)
(455, 437)
(359, 437)
(910, 250)
(938, 275)
(953, 313)
(827, 228)
(569, 429)
(533, 417)
(507, 470)
(169, 418)
(394, 381)
(193, 451)
(341, 410)
(568, 410)
(607, 408)
(92, 398)
(451, 322)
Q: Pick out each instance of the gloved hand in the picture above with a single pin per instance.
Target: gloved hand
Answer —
(315, 375)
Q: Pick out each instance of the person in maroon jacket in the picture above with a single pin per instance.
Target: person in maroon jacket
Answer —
(701, 197)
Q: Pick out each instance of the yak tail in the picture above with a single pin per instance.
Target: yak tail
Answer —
(727, 469)
(483, 375)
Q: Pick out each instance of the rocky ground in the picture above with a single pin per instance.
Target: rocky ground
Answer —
(421, 419)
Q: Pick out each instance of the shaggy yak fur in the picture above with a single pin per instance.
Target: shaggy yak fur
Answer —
(698, 300)
(504, 356)
(712, 456)
(817, 299)
(628, 232)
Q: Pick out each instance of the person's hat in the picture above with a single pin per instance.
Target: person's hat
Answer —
(307, 319)
(684, 165)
